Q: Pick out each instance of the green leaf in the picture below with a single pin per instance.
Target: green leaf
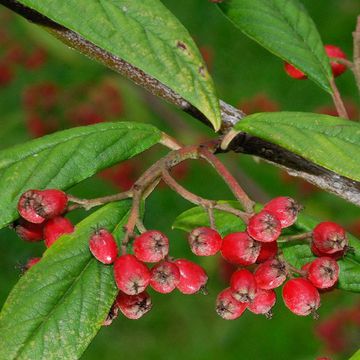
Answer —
(356, 356)
(145, 34)
(65, 158)
(297, 253)
(226, 223)
(284, 28)
(328, 141)
(59, 305)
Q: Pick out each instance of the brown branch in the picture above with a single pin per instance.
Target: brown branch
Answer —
(292, 163)
(356, 59)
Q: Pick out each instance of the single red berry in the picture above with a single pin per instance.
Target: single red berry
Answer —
(227, 307)
(293, 72)
(131, 276)
(103, 246)
(31, 262)
(151, 246)
(204, 241)
(28, 231)
(270, 274)
(329, 238)
(165, 276)
(301, 297)
(285, 210)
(38, 205)
(336, 256)
(335, 52)
(267, 251)
(239, 248)
(263, 302)
(264, 227)
(56, 227)
(243, 285)
(323, 272)
(134, 306)
(193, 277)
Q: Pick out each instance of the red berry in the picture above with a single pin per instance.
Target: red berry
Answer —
(193, 277)
(29, 231)
(131, 276)
(204, 241)
(227, 307)
(334, 51)
(164, 277)
(267, 251)
(38, 205)
(270, 274)
(293, 72)
(243, 285)
(264, 227)
(337, 255)
(103, 246)
(323, 272)
(134, 306)
(263, 302)
(329, 238)
(56, 227)
(239, 248)
(285, 210)
(301, 297)
(151, 246)
(31, 262)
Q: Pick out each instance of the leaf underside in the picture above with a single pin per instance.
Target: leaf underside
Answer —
(59, 305)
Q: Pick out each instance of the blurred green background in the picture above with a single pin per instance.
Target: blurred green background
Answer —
(45, 87)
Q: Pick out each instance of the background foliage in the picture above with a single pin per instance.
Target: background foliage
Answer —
(246, 75)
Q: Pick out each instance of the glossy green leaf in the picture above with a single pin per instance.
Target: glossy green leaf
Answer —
(59, 305)
(328, 141)
(356, 356)
(145, 34)
(65, 158)
(284, 28)
(297, 253)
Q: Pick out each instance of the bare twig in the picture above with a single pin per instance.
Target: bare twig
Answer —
(304, 236)
(338, 102)
(356, 59)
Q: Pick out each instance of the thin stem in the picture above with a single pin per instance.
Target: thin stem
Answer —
(356, 60)
(345, 62)
(303, 236)
(170, 142)
(210, 211)
(198, 200)
(234, 186)
(339, 104)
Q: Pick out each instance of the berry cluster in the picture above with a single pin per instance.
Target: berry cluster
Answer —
(250, 288)
(41, 218)
(336, 67)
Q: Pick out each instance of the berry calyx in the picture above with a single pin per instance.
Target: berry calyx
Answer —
(193, 277)
(285, 210)
(134, 306)
(264, 227)
(164, 277)
(301, 297)
(151, 246)
(270, 274)
(329, 238)
(239, 248)
(56, 227)
(267, 251)
(131, 276)
(243, 285)
(204, 241)
(333, 51)
(263, 302)
(38, 205)
(28, 231)
(103, 246)
(227, 307)
(323, 272)
(293, 72)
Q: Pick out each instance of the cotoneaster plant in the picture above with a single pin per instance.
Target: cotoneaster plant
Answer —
(111, 263)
